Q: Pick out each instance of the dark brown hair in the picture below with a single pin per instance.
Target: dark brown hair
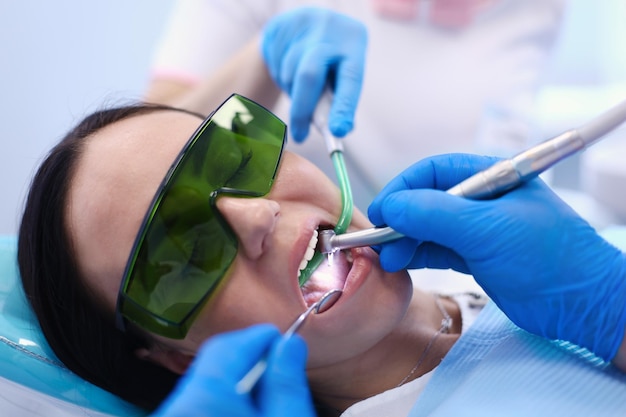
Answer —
(80, 332)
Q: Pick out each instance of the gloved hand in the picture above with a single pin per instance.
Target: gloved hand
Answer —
(208, 388)
(305, 47)
(545, 267)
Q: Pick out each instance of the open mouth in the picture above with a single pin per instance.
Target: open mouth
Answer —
(331, 273)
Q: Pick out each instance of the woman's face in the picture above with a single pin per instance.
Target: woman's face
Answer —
(115, 180)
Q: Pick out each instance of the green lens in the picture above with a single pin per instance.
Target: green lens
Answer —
(185, 247)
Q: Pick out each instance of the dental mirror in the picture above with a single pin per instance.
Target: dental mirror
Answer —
(324, 303)
(247, 383)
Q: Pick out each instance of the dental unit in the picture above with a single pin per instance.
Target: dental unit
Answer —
(498, 179)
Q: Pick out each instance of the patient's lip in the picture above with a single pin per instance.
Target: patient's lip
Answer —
(362, 262)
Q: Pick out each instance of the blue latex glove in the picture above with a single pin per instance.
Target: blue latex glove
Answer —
(302, 49)
(545, 267)
(208, 388)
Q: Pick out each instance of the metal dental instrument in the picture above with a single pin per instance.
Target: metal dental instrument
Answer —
(497, 179)
(335, 151)
(329, 242)
(247, 383)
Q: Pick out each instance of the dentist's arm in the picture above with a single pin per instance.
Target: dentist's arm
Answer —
(244, 73)
(544, 266)
(208, 387)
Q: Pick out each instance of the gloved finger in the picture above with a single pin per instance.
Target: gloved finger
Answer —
(237, 351)
(397, 255)
(433, 216)
(348, 83)
(402, 254)
(349, 73)
(433, 256)
(289, 66)
(439, 172)
(312, 74)
(284, 390)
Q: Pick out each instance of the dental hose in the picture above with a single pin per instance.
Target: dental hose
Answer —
(335, 150)
(346, 193)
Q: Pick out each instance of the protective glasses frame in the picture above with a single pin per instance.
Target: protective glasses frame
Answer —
(252, 137)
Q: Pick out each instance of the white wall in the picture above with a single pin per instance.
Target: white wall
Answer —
(59, 60)
(590, 50)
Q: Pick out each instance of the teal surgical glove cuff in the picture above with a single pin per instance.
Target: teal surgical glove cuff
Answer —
(306, 48)
(545, 267)
(208, 387)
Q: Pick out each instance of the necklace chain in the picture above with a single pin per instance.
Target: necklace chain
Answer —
(446, 325)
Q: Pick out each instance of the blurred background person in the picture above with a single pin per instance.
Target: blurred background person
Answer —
(65, 62)
(440, 76)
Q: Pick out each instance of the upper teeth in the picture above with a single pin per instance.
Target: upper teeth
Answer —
(310, 250)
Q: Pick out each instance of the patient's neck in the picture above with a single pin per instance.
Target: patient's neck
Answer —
(415, 341)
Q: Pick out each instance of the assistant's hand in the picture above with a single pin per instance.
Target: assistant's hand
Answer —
(544, 266)
(302, 48)
(208, 388)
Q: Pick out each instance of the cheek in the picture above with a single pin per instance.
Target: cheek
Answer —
(243, 300)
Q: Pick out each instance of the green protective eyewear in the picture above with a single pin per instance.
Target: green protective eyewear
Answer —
(185, 247)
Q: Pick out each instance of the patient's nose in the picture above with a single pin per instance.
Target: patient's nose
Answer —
(252, 219)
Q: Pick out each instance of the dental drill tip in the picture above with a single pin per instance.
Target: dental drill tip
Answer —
(324, 244)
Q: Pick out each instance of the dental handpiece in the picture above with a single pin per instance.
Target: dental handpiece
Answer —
(496, 180)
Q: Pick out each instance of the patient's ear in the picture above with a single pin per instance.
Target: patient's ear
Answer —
(172, 359)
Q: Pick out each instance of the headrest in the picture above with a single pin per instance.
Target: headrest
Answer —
(27, 360)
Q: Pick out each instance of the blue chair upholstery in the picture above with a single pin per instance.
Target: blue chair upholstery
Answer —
(26, 358)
